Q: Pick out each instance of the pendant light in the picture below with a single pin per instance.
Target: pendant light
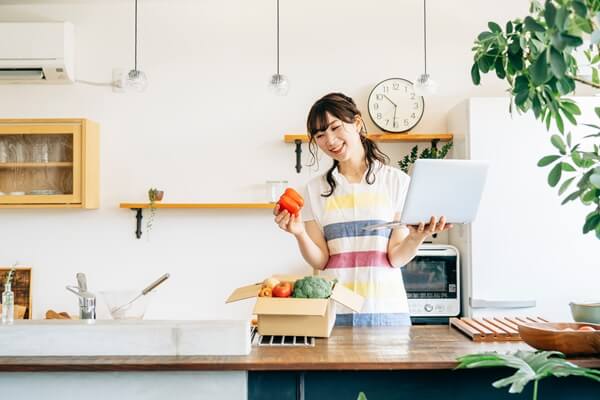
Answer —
(279, 84)
(424, 85)
(136, 79)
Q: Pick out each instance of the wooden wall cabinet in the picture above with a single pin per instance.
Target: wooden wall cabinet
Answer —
(49, 163)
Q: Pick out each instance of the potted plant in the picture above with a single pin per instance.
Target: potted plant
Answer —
(530, 365)
(154, 195)
(431, 152)
(536, 57)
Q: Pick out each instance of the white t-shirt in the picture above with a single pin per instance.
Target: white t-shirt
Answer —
(358, 258)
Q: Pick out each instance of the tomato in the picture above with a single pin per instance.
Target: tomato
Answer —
(291, 201)
(282, 290)
(585, 328)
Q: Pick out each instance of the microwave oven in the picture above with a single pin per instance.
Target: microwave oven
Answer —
(432, 281)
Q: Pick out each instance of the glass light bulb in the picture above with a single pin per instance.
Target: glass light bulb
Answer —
(279, 84)
(137, 80)
(425, 85)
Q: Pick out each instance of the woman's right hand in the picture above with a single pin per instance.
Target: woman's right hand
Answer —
(288, 222)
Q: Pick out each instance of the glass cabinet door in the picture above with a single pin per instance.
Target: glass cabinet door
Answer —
(40, 164)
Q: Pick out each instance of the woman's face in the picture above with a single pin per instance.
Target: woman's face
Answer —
(341, 140)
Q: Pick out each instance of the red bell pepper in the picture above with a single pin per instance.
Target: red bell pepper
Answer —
(291, 201)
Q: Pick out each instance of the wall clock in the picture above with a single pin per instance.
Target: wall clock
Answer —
(394, 107)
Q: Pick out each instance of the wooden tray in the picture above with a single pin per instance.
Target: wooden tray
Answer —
(492, 329)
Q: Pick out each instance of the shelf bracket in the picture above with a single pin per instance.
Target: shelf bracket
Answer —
(434, 143)
(138, 223)
(298, 155)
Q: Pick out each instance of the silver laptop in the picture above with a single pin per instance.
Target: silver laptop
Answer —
(450, 188)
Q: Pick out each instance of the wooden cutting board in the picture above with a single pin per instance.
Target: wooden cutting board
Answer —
(492, 329)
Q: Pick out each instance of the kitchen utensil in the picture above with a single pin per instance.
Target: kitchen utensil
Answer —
(563, 337)
(585, 312)
(117, 311)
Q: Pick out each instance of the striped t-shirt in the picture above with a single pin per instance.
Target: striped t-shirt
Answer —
(358, 258)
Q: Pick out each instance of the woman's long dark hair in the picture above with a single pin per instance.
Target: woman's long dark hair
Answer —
(344, 108)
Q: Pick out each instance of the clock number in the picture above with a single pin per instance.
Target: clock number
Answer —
(375, 106)
(379, 115)
(416, 106)
(387, 121)
(386, 89)
(412, 96)
(405, 122)
(396, 86)
(413, 115)
(379, 96)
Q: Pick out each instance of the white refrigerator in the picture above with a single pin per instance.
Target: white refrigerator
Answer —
(525, 254)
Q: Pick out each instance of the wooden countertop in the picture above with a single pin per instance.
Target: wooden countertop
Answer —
(381, 348)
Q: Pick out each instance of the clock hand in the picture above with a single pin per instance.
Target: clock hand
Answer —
(390, 100)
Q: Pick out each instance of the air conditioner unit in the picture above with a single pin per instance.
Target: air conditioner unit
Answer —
(36, 52)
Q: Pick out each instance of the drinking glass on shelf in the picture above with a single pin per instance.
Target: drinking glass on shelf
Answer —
(56, 150)
(3, 150)
(40, 152)
(275, 189)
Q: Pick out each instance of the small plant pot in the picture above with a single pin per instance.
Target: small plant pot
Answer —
(159, 195)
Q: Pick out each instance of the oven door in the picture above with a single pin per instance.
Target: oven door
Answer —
(432, 282)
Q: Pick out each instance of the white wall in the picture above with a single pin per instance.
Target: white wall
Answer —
(208, 130)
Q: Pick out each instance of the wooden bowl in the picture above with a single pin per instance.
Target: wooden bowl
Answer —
(559, 336)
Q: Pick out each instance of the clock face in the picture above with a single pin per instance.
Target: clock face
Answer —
(394, 106)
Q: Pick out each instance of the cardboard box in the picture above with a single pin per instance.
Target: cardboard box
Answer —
(297, 317)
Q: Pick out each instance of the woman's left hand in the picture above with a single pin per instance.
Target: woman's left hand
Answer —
(421, 231)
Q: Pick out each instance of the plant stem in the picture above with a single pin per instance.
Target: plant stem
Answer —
(585, 82)
(535, 389)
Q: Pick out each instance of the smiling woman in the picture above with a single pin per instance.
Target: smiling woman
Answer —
(358, 190)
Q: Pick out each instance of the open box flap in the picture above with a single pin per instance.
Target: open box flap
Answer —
(244, 292)
(290, 306)
(347, 297)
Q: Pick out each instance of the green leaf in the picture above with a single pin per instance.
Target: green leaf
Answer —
(521, 84)
(361, 396)
(561, 18)
(569, 139)
(483, 36)
(521, 98)
(554, 175)
(577, 160)
(580, 9)
(558, 42)
(598, 231)
(499, 66)
(572, 107)
(591, 222)
(547, 160)
(550, 14)
(589, 196)
(571, 197)
(516, 60)
(565, 185)
(570, 40)
(567, 167)
(532, 25)
(557, 141)
(509, 27)
(475, 77)
(494, 27)
(557, 63)
(597, 110)
(539, 69)
(569, 116)
(559, 122)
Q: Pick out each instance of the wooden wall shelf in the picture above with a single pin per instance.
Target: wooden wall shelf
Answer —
(37, 165)
(381, 137)
(386, 137)
(138, 207)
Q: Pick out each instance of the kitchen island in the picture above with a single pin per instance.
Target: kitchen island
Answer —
(385, 362)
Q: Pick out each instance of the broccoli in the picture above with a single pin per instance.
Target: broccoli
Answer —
(312, 287)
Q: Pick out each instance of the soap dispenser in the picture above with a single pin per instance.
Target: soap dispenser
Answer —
(8, 300)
